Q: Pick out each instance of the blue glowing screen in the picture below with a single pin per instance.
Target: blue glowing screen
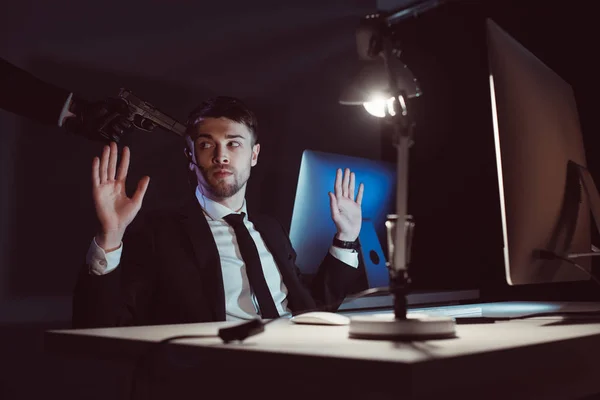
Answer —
(312, 228)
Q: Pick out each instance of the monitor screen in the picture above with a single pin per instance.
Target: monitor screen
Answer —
(539, 147)
(312, 229)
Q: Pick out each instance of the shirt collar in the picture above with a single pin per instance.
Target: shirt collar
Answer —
(214, 210)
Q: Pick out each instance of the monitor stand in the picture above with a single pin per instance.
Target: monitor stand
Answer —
(372, 256)
(578, 177)
(591, 192)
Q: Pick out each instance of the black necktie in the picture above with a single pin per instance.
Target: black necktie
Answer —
(253, 266)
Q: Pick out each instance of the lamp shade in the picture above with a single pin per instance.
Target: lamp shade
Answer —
(373, 82)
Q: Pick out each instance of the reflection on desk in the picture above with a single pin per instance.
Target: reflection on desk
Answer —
(508, 309)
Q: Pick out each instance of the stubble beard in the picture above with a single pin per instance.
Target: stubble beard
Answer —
(218, 188)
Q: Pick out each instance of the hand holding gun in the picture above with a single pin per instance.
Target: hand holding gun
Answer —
(110, 119)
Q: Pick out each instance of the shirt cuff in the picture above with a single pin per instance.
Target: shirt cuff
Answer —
(347, 256)
(99, 261)
(64, 113)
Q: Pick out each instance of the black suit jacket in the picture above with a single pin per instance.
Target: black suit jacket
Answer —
(170, 272)
(25, 95)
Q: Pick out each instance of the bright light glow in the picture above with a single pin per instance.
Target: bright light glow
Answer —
(377, 106)
(500, 179)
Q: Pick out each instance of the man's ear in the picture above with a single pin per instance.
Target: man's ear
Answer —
(255, 151)
(189, 157)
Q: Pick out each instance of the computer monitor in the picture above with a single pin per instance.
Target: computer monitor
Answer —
(539, 149)
(312, 228)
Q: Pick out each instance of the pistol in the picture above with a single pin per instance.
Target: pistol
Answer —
(144, 115)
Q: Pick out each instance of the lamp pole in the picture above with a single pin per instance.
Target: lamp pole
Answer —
(375, 39)
(399, 228)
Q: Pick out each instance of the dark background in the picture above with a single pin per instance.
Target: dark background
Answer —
(289, 61)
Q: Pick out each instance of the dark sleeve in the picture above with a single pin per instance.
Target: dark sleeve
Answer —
(24, 94)
(333, 281)
(122, 297)
(331, 284)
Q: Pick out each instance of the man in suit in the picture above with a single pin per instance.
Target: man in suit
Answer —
(210, 260)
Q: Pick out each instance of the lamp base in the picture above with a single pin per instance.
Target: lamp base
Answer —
(414, 327)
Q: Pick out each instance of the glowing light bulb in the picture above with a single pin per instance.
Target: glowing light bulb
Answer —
(377, 106)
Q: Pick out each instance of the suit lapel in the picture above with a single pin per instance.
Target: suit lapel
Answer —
(206, 255)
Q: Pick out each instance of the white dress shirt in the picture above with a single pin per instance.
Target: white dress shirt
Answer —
(240, 302)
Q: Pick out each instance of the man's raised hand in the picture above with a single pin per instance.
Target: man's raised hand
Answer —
(345, 207)
(115, 211)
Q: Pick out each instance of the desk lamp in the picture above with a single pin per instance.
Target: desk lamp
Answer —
(383, 87)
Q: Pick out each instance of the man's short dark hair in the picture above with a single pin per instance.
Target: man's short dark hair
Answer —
(227, 107)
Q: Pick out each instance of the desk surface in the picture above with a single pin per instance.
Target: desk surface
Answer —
(548, 357)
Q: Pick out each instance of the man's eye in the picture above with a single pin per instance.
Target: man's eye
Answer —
(235, 144)
(204, 145)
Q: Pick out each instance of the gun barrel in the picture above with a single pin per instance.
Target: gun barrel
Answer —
(165, 121)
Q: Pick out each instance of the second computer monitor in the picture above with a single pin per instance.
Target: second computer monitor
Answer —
(539, 149)
(312, 228)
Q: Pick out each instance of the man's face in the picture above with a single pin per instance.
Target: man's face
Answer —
(224, 153)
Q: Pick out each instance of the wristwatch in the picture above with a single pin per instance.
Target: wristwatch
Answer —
(344, 244)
